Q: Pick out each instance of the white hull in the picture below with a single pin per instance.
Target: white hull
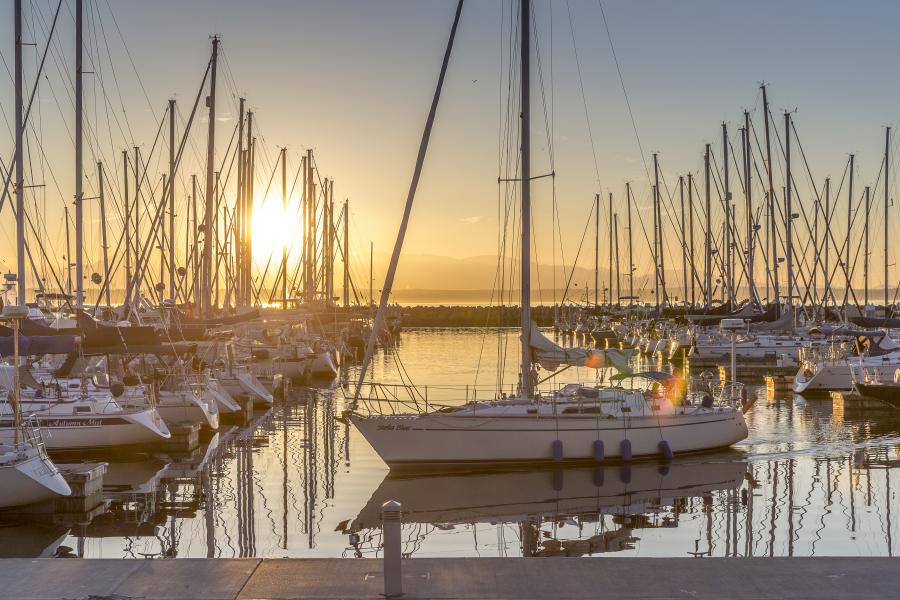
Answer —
(186, 407)
(31, 479)
(246, 383)
(97, 431)
(837, 375)
(216, 391)
(442, 439)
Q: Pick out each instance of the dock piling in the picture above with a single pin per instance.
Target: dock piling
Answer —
(391, 517)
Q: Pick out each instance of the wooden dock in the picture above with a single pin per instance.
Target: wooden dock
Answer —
(605, 578)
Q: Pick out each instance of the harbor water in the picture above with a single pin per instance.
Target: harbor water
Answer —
(816, 477)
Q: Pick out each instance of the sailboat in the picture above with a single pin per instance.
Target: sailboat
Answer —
(574, 423)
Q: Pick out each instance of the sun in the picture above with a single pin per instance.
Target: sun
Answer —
(274, 228)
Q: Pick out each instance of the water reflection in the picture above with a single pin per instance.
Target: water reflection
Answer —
(561, 512)
(816, 477)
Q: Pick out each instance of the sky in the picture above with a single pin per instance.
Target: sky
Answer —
(354, 79)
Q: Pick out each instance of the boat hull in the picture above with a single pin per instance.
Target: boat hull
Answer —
(33, 479)
(440, 439)
(95, 431)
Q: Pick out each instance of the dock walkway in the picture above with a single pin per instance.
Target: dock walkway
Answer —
(446, 578)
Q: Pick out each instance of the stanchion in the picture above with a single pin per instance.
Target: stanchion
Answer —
(391, 517)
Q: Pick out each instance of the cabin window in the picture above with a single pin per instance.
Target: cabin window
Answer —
(82, 409)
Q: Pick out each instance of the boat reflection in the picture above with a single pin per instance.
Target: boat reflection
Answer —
(559, 512)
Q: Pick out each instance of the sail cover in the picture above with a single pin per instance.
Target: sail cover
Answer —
(551, 355)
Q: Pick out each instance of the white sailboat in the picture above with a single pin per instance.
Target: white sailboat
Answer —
(533, 426)
(27, 475)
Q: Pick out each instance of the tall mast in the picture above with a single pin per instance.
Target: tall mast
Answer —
(748, 208)
(788, 209)
(771, 198)
(630, 256)
(596, 249)
(329, 257)
(691, 232)
(127, 227)
(346, 252)
(136, 287)
(195, 267)
(171, 190)
(683, 244)
(308, 288)
(616, 239)
(206, 295)
(849, 232)
(79, 167)
(284, 193)
(526, 386)
(238, 212)
(729, 242)
(103, 231)
(826, 265)
(20, 171)
(655, 252)
(887, 189)
(611, 236)
(707, 273)
(248, 211)
(866, 251)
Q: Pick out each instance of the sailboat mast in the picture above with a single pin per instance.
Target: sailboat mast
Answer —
(616, 239)
(771, 199)
(102, 185)
(788, 209)
(748, 208)
(887, 189)
(526, 387)
(826, 265)
(171, 199)
(206, 295)
(630, 255)
(596, 249)
(866, 250)
(284, 193)
(683, 244)
(611, 236)
(691, 233)
(346, 252)
(707, 242)
(127, 226)
(79, 166)
(729, 222)
(849, 231)
(20, 171)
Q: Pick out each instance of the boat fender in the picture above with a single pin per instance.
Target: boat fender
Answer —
(557, 450)
(663, 470)
(666, 450)
(599, 476)
(625, 474)
(625, 450)
(744, 397)
(598, 450)
(557, 480)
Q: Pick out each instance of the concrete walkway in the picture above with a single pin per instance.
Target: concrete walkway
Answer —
(528, 578)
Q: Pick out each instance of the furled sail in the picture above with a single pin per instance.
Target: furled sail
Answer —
(550, 355)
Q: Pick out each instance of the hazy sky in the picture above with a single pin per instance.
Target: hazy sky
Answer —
(353, 79)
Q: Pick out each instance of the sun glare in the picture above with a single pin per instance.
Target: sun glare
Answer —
(273, 228)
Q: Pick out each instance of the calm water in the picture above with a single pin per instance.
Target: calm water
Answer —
(815, 477)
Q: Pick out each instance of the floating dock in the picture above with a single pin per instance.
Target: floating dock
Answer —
(525, 578)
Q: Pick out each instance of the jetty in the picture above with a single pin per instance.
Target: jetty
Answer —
(523, 578)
